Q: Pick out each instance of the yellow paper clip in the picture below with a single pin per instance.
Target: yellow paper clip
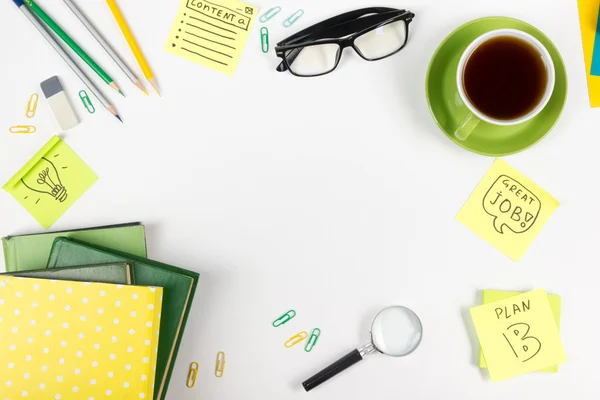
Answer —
(297, 338)
(192, 375)
(22, 129)
(87, 103)
(32, 105)
(220, 366)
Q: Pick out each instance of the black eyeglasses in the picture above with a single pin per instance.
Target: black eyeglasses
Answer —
(374, 33)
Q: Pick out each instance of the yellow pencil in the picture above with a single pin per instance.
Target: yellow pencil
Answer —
(112, 4)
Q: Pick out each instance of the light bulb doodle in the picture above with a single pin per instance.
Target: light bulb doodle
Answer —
(46, 181)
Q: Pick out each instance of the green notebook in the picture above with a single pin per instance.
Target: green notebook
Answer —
(179, 288)
(116, 273)
(27, 252)
(490, 296)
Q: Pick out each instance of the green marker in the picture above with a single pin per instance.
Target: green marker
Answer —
(37, 10)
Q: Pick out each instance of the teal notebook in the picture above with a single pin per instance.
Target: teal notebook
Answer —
(179, 288)
(27, 252)
(116, 273)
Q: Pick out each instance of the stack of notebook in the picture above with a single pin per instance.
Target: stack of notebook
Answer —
(99, 304)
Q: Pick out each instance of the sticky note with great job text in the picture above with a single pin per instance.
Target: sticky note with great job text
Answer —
(507, 210)
(518, 335)
(490, 296)
(211, 33)
(51, 182)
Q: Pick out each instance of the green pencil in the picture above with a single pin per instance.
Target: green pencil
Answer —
(71, 43)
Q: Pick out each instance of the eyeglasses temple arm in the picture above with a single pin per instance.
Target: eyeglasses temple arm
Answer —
(311, 30)
(358, 25)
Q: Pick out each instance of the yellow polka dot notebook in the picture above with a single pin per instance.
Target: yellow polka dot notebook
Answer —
(62, 340)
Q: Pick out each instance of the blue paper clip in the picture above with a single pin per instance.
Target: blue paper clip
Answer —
(293, 18)
(264, 39)
(271, 12)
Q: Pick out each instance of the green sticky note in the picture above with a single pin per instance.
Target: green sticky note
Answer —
(51, 182)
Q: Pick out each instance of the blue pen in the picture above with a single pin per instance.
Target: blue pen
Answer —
(87, 82)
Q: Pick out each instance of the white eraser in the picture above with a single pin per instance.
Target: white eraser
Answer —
(59, 103)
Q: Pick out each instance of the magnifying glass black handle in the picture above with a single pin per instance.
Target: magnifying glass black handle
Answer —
(343, 363)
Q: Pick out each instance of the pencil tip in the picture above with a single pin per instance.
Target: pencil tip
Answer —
(145, 92)
(119, 118)
(122, 94)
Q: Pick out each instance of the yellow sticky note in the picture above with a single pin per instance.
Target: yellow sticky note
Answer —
(507, 210)
(490, 296)
(518, 335)
(77, 340)
(51, 182)
(588, 18)
(211, 33)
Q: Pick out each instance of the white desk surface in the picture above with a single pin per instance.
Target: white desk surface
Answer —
(333, 196)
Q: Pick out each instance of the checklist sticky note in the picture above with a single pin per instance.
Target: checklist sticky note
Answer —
(211, 33)
(588, 19)
(51, 182)
(507, 209)
(490, 296)
(518, 335)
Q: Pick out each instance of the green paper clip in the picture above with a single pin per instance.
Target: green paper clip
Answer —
(271, 12)
(293, 18)
(87, 103)
(312, 340)
(264, 39)
(284, 318)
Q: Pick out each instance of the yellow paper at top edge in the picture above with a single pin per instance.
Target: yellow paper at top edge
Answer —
(507, 210)
(490, 296)
(588, 18)
(518, 335)
(211, 33)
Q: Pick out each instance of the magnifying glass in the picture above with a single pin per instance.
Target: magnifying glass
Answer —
(396, 331)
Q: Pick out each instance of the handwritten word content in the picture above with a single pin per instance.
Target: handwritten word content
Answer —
(518, 335)
(507, 210)
(511, 204)
(211, 33)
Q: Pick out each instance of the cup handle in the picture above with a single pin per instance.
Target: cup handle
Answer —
(466, 126)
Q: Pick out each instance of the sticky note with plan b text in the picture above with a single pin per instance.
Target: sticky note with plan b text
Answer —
(518, 335)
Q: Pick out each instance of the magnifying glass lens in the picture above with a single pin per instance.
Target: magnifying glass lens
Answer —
(396, 331)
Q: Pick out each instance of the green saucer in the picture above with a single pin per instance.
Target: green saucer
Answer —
(448, 110)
